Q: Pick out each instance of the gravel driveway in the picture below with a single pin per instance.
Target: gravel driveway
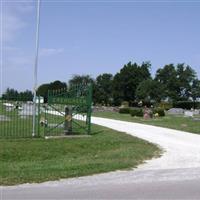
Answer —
(182, 149)
(175, 175)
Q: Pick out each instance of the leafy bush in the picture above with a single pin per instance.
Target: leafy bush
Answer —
(165, 105)
(138, 112)
(125, 104)
(124, 110)
(160, 111)
(197, 105)
(148, 104)
(134, 104)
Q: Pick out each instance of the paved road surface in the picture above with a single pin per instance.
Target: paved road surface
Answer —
(175, 175)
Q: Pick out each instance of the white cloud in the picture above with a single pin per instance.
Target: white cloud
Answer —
(25, 6)
(50, 51)
(14, 57)
(16, 63)
(17, 69)
(11, 28)
(14, 18)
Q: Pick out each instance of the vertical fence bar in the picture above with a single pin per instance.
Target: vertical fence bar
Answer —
(89, 108)
(38, 119)
(45, 117)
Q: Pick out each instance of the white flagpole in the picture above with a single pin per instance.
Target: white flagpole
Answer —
(36, 66)
(1, 54)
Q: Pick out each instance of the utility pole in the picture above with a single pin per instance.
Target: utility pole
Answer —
(36, 67)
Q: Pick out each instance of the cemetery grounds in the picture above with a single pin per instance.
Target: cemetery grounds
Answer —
(173, 121)
(26, 160)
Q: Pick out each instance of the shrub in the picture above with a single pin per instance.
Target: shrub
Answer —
(165, 105)
(124, 110)
(134, 104)
(138, 112)
(160, 111)
(125, 104)
(197, 105)
(148, 104)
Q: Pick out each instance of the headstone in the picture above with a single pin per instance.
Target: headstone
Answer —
(196, 119)
(176, 111)
(146, 116)
(188, 113)
(9, 107)
(27, 110)
(196, 112)
(147, 113)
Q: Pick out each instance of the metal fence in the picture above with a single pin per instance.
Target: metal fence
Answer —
(16, 118)
(66, 112)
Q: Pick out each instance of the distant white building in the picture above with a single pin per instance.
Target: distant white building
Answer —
(39, 99)
(198, 99)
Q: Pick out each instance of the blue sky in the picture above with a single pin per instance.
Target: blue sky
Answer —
(84, 37)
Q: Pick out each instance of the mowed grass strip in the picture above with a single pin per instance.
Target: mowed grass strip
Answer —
(178, 122)
(39, 160)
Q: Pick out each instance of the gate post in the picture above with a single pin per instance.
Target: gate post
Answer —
(68, 121)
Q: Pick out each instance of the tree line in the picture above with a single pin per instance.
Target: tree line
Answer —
(134, 83)
(12, 94)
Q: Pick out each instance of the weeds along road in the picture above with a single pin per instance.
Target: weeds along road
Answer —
(174, 175)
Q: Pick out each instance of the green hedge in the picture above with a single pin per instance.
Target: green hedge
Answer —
(186, 104)
(138, 112)
(124, 110)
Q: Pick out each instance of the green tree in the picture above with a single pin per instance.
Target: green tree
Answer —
(56, 85)
(195, 91)
(185, 78)
(43, 91)
(44, 88)
(10, 94)
(176, 81)
(149, 90)
(103, 89)
(26, 95)
(127, 80)
(80, 79)
(167, 78)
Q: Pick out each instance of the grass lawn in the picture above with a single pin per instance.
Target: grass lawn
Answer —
(38, 160)
(170, 121)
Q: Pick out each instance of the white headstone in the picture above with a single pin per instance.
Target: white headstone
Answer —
(188, 113)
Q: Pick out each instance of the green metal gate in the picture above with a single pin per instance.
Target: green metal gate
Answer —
(68, 112)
